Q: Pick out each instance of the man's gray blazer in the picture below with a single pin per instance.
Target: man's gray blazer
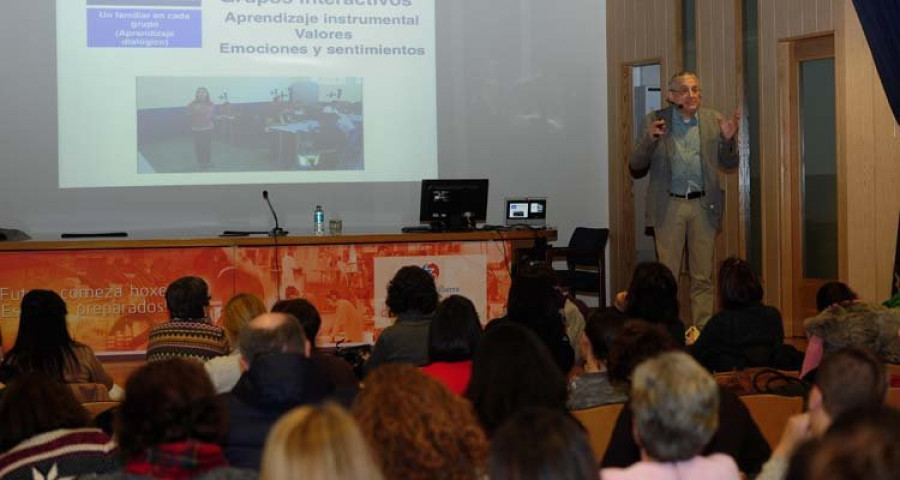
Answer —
(657, 155)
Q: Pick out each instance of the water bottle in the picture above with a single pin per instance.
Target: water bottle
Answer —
(319, 220)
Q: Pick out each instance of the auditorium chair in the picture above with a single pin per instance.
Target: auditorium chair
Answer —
(585, 262)
(893, 397)
(599, 423)
(771, 413)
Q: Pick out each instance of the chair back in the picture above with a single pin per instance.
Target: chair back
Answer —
(893, 397)
(893, 374)
(599, 423)
(771, 413)
(587, 240)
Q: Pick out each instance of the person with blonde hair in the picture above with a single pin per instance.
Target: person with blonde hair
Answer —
(317, 443)
(240, 309)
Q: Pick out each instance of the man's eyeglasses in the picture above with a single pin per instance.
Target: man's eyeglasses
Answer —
(686, 90)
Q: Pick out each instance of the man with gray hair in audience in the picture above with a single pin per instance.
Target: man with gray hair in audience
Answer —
(675, 403)
(277, 376)
(847, 380)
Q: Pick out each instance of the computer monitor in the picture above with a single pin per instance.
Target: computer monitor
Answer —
(454, 204)
(526, 211)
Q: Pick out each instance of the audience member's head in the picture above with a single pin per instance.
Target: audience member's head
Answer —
(455, 331)
(739, 285)
(533, 298)
(187, 298)
(411, 290)
(242, 308)
(43, 343)
(602, 328)
(860, 444)
(541, 444)
(168, 401)
(34, 403)
(653, 293)
(417, 428)
(833, 293)
(272, 333)
(675, 403)
(848, 379)
(304, 311)
(535, 302)
(512, 370)
(638, 340)
(317, 442)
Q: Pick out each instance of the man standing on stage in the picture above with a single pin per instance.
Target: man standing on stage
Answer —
(682, 146)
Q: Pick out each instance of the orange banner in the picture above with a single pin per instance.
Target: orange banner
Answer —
(114, 297)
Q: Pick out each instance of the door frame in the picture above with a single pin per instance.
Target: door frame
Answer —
(791, 52)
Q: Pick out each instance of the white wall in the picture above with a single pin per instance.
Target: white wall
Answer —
(521, 101)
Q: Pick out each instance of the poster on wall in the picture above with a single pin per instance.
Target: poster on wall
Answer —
(114, 297)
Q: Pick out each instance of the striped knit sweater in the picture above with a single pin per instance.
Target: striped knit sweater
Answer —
(195, 338)
(67, 452)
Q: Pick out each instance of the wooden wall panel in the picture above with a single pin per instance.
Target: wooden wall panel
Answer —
(718, 64)
(872, 164)
(639, 31)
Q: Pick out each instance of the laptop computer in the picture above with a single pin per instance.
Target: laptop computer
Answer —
(530, 212)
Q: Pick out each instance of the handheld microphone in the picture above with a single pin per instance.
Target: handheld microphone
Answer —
(277, 231)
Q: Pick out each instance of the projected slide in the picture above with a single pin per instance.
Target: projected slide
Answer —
(192, 92)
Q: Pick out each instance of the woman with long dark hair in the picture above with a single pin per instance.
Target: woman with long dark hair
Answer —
(745, 333)
(43, 345)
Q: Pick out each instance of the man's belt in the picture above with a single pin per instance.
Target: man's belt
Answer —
(689, 196)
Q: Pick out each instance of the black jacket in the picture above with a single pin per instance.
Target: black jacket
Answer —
(274, 384)
(740, 338)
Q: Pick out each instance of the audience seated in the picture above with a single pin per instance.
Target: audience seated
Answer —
(278, 376)
(512, 370)
(653, 296)
(411, 297)
(541, 444)
(745, 333)
(675, 404)
(594, 388)
(845, 321)
(318, 443)
(849, 379)
(418, 429)
(43, 345)
(43, 428)
(190, 333)
(225, 371)
(169, 423)
(334, 368)
(737, 435)
(453, 338)
(861, 444)
(535, 303)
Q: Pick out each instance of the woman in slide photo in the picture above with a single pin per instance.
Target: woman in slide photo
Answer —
(201, 112)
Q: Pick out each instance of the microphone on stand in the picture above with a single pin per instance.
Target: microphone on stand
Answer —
(277, 231)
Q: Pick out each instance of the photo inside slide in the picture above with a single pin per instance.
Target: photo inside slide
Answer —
(198, 92)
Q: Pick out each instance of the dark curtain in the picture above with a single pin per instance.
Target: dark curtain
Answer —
(880, 21)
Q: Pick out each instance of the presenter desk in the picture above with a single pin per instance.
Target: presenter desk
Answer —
(115, 288)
